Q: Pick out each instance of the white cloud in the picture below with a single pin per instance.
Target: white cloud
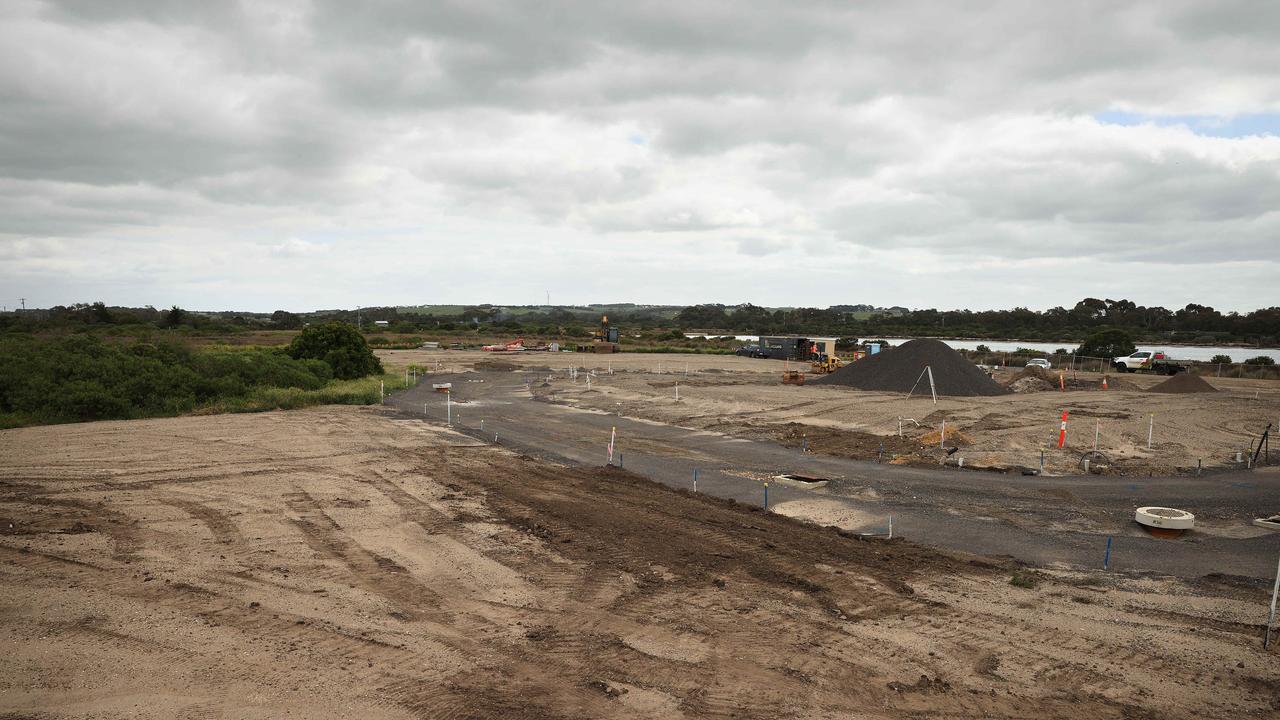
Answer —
(300, 154)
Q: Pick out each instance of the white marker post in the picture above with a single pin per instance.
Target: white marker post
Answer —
(382, 391)
(932, 388)
(1097, 430)
(942, 439)
(1151, 430)
(448, 408)
(613, 435)
(1272, 617)
(677, 392)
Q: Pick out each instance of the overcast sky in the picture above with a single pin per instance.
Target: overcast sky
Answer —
(304, 155)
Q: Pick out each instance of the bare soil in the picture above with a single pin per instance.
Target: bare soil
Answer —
(745, 396)
(341, 562)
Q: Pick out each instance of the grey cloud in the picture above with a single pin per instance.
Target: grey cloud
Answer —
(942, 129)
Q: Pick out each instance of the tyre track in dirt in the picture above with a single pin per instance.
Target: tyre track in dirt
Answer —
(387, 580)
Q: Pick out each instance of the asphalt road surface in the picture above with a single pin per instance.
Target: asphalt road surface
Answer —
(1062, 521)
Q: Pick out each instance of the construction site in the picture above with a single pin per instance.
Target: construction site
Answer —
(597, 534)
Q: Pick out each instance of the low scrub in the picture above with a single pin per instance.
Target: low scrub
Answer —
(80, 378)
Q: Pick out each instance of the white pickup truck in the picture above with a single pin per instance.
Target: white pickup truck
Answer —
(1148, 361)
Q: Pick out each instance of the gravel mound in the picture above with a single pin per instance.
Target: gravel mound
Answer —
(1184, 382)
(897, 369)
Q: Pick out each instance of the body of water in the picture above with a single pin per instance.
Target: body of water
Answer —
(1202, 353)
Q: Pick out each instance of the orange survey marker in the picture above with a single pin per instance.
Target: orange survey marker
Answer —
(1104, 382)
(1062, 434)
(1062, 382)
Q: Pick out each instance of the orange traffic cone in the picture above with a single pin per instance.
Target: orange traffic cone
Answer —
(1104, 382)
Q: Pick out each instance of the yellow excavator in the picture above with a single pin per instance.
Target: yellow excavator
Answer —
(826, 364)
(604, 340)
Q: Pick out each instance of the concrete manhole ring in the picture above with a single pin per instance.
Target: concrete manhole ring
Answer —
(1164, 518)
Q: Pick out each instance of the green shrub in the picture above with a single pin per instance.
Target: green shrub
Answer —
(1107, 344)
(1221, 360)
(81, 378)
(340, 346)
(1024, 579)
(1260, 360)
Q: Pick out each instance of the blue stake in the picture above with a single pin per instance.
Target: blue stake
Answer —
(804, 444)
(695, 479)
(1106, 560)
(619, 459)
(766, 496)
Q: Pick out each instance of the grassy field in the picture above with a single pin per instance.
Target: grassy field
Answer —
(362, 391)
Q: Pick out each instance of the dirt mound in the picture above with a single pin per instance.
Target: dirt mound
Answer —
(494, 365)
(898, 369)
(1030, 379)
(1035, 379)
(1184, 383)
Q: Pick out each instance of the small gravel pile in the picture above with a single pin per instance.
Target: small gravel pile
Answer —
(1184, 383)
(897, 369)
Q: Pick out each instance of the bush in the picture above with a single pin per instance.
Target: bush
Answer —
(1025, 579)
(1260, 360)
(82, 378)
(1221, 360)
(1107, 344)
(340, 346)
(982, 349)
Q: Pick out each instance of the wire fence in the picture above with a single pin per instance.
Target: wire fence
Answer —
(1085, 363)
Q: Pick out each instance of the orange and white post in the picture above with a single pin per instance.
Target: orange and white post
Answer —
(1062, 434)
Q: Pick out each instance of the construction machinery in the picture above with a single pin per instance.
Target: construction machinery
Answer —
(826, 364)
(513, 346)
(604, 339)
(792, 377)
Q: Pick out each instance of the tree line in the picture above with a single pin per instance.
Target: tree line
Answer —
(1192, 323)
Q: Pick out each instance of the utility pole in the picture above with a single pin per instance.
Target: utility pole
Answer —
(24, 303)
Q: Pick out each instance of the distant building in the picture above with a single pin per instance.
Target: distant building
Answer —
(382, 323)
(794, 347)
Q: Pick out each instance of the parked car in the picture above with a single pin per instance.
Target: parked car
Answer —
(750, 351)
(1040, 363)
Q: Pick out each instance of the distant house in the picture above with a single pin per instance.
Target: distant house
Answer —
(382, 323)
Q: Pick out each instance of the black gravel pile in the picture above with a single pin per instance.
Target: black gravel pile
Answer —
(896, 370)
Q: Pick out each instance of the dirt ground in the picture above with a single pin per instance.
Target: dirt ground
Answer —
(745, 396)
(343, 562)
